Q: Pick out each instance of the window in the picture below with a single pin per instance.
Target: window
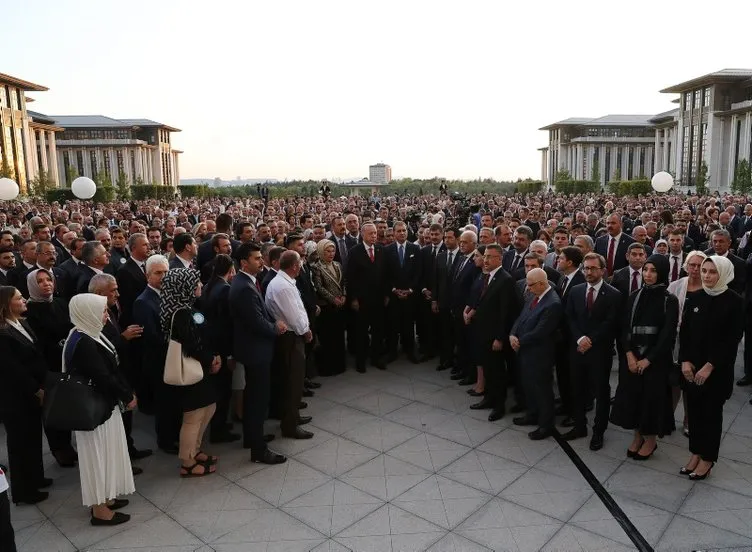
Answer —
(123, 134)
(642, 163)
(687, 101)
(685, 151)
(94, 164)
(630, 163)
(107, 167)
(120, 162)
(80, 162)
(13, 98)
(698, 98)
(3, 93)
(133, 164)
(706, 97)
(607, 173)
(66, 166)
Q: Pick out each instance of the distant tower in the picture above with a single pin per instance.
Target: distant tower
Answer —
(380, 173)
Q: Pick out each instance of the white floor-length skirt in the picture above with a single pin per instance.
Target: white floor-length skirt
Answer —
(103, 462)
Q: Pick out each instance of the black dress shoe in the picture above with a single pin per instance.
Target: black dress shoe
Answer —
(517, 408)
(117, 519)
(574, 433)
(135, 470)
(456, 377)
(524, 421)
(567, 422)
(268, 438)
(441, 368)
(307, 393)
(44, 483)
(227, 437)
(298, 434)
(467, 381)
(380, 364)
(496, 414)
(31, 498)
(118, 504)
(303, 420)
(308, 384)
(473, 393)
(743, 382)
(302, 405)
(482, 405)
(424, 358)
(268, 457)
(412, 358)
(596, 443)
(136, 454)
(540, 433)
(361, 369)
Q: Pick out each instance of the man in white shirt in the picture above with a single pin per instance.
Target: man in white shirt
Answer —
(284, 303)
(185, 251)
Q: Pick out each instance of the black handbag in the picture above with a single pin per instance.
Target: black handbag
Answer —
(73, 402)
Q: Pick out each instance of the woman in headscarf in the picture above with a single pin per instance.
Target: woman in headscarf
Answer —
(712, 325)
(684, 288)
(330, 290)
(49, 318)
(103, 460)
(181, 322)
(643, 397)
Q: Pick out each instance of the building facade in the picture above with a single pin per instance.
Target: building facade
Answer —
(380, 173)
(27, 146)
(708, 134)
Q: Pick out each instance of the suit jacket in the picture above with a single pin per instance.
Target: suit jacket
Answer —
(69, 273)
(350, 242)
(23, 370)
(151, 347)
(327, 286)
(409, 274)
(366, 280)
(443, 276)
(117, 261)
(428, 271)
(131, 282)
(601, 324)
(85, 274)
(577, 278)
(218, 319)
(462, 285)
(508, 259)
(4, 279)
(552, 274)
(206, 252)
(737, 226)
(496, 310)
(175, 263)
(62, 253)
(254, 329)
(534, 328)
(622, 282)
(620, 251)
(304, 283)
(268, 277)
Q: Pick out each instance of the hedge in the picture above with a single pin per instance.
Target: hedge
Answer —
(194, 190)
(530, 186)
(152, 192)
(103, 194)
(577, 186)
(630, 187)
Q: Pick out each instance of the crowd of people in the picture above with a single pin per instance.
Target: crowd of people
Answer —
(523, 299)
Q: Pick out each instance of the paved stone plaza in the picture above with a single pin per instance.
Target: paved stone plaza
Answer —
(399, 463)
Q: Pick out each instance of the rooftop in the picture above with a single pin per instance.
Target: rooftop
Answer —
(101, 121)
(608, 120)
(22, 84)
(724, 75)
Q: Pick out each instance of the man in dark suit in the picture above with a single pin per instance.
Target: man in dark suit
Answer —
(462, 281)
(446, 263)
(95, 258)
(403, 273)
(515, 257)
(46, 259)
(206, 250)
(118, 252)
(495, 312)
(429, 326)
(367, 295)
(274, 254)
(156, 396)
(7, 264)
(613, 245)
(70, 269)
(592, 313)
(676, 255)
(530, 337)
(220, 244)
(721, 245)
(131, 278)
(254, 334)
(57, 240)
(185, 251)
(28, 262)
(342, 241)
(627, 280)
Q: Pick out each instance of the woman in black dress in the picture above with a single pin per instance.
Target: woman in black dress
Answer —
(181, 322)
(707, 353)
(643, 397)
(479, 389)
(23, 371)
(49, 318)
(330, 290)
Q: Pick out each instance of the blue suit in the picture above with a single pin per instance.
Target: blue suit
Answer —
(254, 335)
(535, 328)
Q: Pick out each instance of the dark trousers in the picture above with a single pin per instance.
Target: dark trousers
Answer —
(401, 325)
(748, 343)
(289, 358)
(369, 316)
(513, 378)
(428, 327)
(128, 427)
(223, 385)
(464, 359)
(7, 537)
(494, 370)
(168, 415)
(255, 405)
(351, 327)
(59, 441)
(590, 376)
(705, 417)
(24, 440)
(537, 378)
(446, 343)
(563, 377)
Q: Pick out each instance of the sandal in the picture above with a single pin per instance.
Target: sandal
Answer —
(211, 460)
(188, 471)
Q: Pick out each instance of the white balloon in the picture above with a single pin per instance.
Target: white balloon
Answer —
(8, 189)
(83, 187)
(662, 181)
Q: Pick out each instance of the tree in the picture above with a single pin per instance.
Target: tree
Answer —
(595, 174)
(122, 186)
(6, 170)
(742, 182)
(617, 174)
(139, 181)
(41, 184)
(702, 179)
(561, 175)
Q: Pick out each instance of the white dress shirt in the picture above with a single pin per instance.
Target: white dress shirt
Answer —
(284, 303)
(186, 264)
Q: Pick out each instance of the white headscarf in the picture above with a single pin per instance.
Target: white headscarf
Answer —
(86, 310)
(725, 270)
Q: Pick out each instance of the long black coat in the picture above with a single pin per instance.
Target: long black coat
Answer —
(51, 324)
(22, 370)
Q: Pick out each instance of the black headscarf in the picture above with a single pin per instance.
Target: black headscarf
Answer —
(178, 291)
(661, 264)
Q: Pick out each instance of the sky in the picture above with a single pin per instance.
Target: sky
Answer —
(324, 88)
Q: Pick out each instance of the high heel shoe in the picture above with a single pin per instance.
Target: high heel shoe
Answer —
(641, 457)
(694, 476)
(633, 453)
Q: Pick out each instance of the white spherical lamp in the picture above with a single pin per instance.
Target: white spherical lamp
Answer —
(662, 181)
(83, 187)
(8, 189)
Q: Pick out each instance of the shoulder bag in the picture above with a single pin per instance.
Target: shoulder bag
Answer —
(180, 370)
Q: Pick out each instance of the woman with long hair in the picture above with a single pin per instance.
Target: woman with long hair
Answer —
(23, 371)
(707, 354)
(182, 323)
(48, 316)
(328, 279)
(643, 397)
(479, 389)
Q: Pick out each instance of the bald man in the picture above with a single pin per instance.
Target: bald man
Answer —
(531, 338)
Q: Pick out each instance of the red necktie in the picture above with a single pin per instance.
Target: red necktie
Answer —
(258, 285)
(633, 287)
(485, 284)
(675, 270)
(370, 253)
(590, 298)
(534, 303)
(610, 259)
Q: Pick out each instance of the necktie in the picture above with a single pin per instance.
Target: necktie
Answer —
(516, 262)
(258, 285)
(450, 260)
(485, 284)
(590, 298)
(563, 284)
(342, 249)
(433, 254)
(370, 253)
(143, 267)
(633, 287)
(675, 269)
(534, 303)
(401, 249)
(610, 259)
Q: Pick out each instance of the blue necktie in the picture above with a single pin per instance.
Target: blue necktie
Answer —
(402, 255)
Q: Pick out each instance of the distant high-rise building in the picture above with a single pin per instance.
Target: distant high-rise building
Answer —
(380, 173)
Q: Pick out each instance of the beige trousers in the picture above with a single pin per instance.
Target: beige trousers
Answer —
(192, 432)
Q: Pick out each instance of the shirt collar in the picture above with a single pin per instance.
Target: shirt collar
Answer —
(597, 287)
(285, 276)
(157, 291)
(617, 237)
(493, 273)
(251, 276)
(542, 295)
(187, 264)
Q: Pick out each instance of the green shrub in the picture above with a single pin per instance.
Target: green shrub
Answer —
(59, 194)
(194, 190)
(152, 192)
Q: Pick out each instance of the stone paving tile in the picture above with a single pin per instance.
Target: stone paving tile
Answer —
(398, 462)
